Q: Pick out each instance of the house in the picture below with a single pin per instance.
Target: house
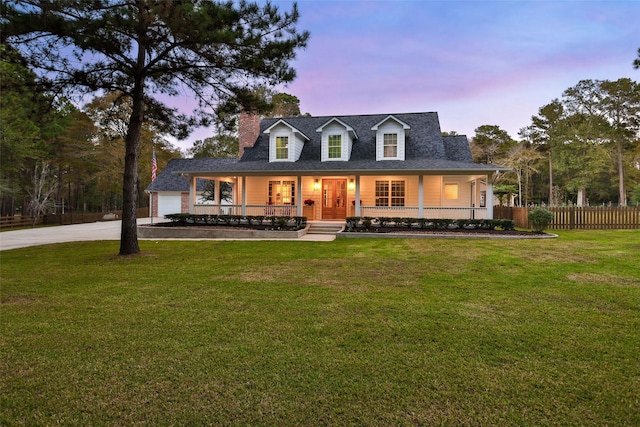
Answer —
(333, 167)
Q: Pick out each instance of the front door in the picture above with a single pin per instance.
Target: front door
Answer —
(334, 198)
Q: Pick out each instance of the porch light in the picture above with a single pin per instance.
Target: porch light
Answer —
(352, 185)
(316, 185)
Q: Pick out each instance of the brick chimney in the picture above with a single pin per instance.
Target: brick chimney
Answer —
(248, 130)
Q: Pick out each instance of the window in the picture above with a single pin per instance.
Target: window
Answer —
(451, 191)
(390, 147)
(334, 146)
(397, 193)
(395, 197)
(282, 192)
(282, 147)
(382, 193)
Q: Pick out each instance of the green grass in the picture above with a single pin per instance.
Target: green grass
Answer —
(351, 332)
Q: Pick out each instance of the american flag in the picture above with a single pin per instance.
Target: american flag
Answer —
(154, 167)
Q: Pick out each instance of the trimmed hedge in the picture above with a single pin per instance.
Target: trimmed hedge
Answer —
(270, 222)
(355, 223)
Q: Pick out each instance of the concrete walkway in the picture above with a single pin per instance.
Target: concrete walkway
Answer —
(107, 230)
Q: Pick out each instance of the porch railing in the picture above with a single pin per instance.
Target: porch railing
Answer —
(252, 210)
(427, 212)
(372, 211)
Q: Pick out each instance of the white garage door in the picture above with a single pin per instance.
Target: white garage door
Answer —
(168, 205)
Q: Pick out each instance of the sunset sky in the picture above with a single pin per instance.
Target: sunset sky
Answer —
(473, 62)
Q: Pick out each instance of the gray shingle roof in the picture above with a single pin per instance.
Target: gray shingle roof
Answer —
(426, 151)
(168, 180)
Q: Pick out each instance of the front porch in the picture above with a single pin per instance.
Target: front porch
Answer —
(310, 212)
(338, 197)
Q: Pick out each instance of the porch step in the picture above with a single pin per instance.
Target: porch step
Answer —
(325, 227)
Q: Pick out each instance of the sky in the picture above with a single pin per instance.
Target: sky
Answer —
(473, 62)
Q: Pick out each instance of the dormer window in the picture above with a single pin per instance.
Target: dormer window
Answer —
(337, 140)
(390, 135)
(285, 142)
(334, 146)
(390, 141)
(282, 147)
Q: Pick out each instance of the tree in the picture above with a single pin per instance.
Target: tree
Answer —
(72, 154)
(111, 113)
(547, 132)
(636, 62)
(151, 49)
(224, 143)
(285, 105)
(219, 146)
(41, 193)
(490, 143)
(27, 119)
(621, 108)
(616, 107)
(522, 159)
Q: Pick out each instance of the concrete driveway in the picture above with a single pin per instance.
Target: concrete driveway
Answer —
(107, 230)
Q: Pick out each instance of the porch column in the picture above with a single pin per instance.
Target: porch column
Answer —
(299, 197)
(244, 195)
(216, 194)
(421, 196)
(489, 197)
(357, 201)
(192, 194)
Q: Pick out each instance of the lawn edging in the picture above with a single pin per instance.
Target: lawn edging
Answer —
(204, 232)
(436, 235)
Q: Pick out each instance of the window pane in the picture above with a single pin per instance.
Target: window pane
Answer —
(451, 191)
(272, 192)
(282, 192)
(397, 193)
(382, 193)
(282, 147)
(288, 192)
(390, 144)
(335, 146)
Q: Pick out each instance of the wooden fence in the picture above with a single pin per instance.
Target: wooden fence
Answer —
(82, 218)
(577, 217)
(17, 221)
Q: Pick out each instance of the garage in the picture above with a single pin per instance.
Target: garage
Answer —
(169, 203)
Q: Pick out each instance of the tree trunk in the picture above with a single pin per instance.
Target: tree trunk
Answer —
(129, 231)
(551, 201)
(582, 197)
(623, 196)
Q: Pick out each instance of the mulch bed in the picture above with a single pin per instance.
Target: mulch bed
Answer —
(221, 226)
(450, 231)
(381, 230)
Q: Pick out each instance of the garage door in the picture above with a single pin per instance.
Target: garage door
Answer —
(168, 205)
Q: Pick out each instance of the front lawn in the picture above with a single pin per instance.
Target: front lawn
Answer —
(351, 332)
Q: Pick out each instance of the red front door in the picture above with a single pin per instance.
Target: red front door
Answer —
(334, 198)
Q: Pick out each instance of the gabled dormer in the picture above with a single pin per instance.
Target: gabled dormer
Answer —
(390, 136)
(337, 140)
(285, 142)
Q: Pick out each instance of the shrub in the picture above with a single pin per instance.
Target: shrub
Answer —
(180, 218)
(540, 219)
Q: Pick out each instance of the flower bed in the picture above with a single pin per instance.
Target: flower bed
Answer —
(384, 224)
(280, 223)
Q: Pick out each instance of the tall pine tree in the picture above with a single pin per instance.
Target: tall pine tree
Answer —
(151, 50)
